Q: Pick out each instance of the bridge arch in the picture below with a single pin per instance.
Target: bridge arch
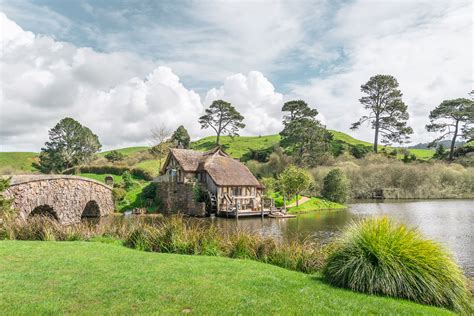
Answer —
(44, 210)
(91, 210)
(70, 198)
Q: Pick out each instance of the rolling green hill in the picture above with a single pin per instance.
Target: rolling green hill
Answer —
(237, 147)
(17, 162)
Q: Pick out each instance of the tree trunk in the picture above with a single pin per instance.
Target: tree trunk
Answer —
(453, 141)
(217, 139)
(376, 138)
(297, 200)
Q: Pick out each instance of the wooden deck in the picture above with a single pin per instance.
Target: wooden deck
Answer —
(243, 213)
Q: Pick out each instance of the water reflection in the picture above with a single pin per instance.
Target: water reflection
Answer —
(447, 221)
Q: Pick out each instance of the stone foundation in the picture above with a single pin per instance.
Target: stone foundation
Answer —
(179, 198)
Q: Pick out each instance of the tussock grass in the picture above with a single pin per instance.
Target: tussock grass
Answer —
(173, 234)
(379, 256)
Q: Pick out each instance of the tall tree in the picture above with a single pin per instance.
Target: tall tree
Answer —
(69, 145)
(388, 114)
(181, 138)
(303, 133)
(223, 118)
(453, 118)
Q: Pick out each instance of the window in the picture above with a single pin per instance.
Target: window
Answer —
(236, 191)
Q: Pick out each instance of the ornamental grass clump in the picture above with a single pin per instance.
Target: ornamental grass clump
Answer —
(379, 256)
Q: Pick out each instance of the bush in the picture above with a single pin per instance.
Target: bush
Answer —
(335, 186)
(128, 180)
(111, 169)
(119, 194)
(360, 151)
(379, 256)
(114, 156)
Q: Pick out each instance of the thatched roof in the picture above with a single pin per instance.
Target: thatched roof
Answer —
(224, 170)
(187, 158)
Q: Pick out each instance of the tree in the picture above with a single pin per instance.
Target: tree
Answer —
(335, 186)
(453, 118)
(293, 181)
(223, 118)
(440, 152)
(114, 156)
(387, 112)
(160, 145)
(306, 137)
(180, 137)
(69, 145)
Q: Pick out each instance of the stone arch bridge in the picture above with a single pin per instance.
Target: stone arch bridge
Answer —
(66, 198)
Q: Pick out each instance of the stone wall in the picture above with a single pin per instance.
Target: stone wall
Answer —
(179, 198)
(69, 197)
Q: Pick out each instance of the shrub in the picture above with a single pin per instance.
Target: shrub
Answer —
(379, 256)
(128, 180)
(119, 194)
(335, 186)
(360, 151)
(114, 156)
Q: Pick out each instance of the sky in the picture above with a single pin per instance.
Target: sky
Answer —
(123, 67)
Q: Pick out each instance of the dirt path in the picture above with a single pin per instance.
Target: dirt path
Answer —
(300, 201)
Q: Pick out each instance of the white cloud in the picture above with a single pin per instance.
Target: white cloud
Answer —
(117, 95)
(425, 45)
(255, 98)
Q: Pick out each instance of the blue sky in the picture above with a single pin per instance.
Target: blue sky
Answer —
(256, 54)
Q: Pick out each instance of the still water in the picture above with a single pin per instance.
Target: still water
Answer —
(450, 222)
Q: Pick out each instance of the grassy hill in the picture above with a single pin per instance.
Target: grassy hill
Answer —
(17, 162)
(237, 147)
(127, 151)
(43, 277)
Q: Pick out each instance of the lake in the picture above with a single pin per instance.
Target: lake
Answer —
(450, 222)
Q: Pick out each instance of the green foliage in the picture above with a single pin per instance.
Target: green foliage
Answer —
(128, 180)
(111, 169)
(5, 204)
(388, 114)
(70, 144)
(294, 181)
(359, 151)
(452, 118)
(379, 256)
(119, 194)
(335, 186)
(180, 138)
(223, 118)
(304, 136)
(114, 156)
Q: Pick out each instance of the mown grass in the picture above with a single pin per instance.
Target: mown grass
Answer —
(315, 204)
(101, 177)
(379, 256)
(96, 278)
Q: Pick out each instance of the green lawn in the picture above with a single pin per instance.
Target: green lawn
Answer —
(96, 279)
(315, 204)
(18, 162)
